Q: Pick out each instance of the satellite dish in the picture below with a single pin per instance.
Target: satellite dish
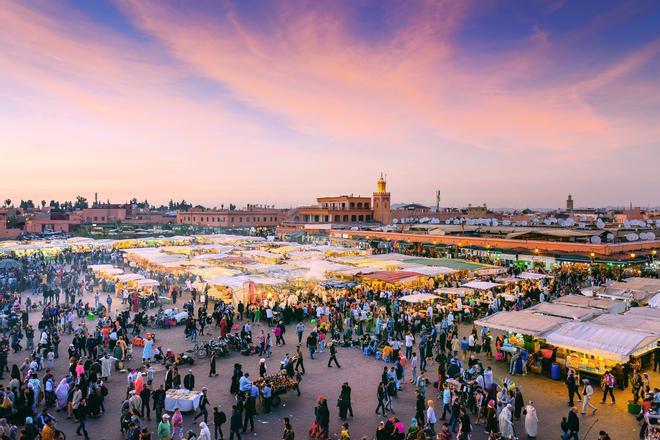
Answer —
(600, 224)
(610, 237)
(547, 222)
(632, 236)
(394, 220)
(570, 222)
(506, 222)
(651, 235)
(582, 225)
(495, 223)
(595, 239)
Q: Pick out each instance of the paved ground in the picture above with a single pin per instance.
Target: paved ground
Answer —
(361, 372)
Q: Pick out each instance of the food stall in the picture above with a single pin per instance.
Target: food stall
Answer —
(594, 348)
(128, 281)
(183, 399)
(523, 329)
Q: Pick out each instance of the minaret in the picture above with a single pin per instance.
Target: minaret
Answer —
(381, 203)
(569, 203)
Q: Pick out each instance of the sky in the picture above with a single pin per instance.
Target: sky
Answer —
(509, 103)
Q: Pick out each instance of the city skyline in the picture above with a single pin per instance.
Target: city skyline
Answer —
(512, 104)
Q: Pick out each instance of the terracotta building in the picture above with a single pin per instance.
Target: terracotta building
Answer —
(5, 232)
(252, 216)
(347, 209)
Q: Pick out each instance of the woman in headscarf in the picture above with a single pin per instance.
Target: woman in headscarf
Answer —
(204, 432)
(506, 424)
(62, 393)
(531, 421)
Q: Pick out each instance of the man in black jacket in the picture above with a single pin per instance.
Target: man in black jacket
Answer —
(203, 402)
(573, 425)
(235, 423)
(333, 355)
(250, 411)
(189, 381)
(158, 397)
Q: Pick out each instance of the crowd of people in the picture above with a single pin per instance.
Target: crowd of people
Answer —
(456, 393)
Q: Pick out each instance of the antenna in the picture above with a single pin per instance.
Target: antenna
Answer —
(437, 201)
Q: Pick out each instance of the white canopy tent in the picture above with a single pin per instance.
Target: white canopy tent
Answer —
(147, 283)
(630, 322)
(239, 281)
(430, 271)
(644, 312)
(655, 301)
(525, 322)
(575, 313)
(608, 305)
(611, 343)
(99, 267)
(419, 297)
(532, 276)
(481, 285)
(458, 291)
(129, 277)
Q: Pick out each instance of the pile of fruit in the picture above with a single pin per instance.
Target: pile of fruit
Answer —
(279, 383)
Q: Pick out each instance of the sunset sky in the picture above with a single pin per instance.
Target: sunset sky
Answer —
(510, 103)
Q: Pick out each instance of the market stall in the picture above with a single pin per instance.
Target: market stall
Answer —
(183, 399)
(524, 322)
(595, 348)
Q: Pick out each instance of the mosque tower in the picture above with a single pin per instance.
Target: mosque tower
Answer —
(381, 203)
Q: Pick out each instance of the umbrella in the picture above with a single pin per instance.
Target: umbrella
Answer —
(9, 264)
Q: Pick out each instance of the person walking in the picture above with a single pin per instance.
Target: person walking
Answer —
(322, 416)
(288, 430)
(219, 418)
(300, 328)
(164, 431)
(531, 421)
(235, 423)
(311, 344)
(609, 383)
(81, 414)
(587, 394)
(250, 410)
(212, 372)
(203, 402)
(333, 355)
(430, 417)
(572, 425)
(571, 386)
(300, 364)
(380, 395)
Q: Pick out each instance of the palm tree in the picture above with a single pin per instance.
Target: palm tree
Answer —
(43, 204)
(7, 202)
